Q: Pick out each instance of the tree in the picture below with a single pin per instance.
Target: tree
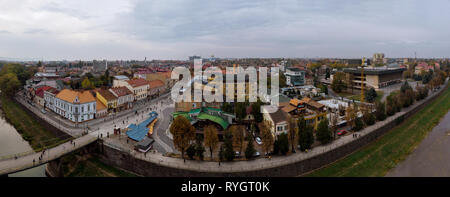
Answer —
(358, 124)
(9, 84)
(292, 134)
(393, 104)
(199, 148)
(240, 110)
(238, 136)
(327, 73)
(338, 84)
(211, 138)
(183, 133)
(226, 107)
(334, 118)
(370, 95)
(369, 118)
(405, 86)
(191, 151)
(349, 81)
(250, 150)
(86, 84)
(283, 143)
(324, 134)
(350, 115)
(256, 111)
(228, 151)
(266, 136)
(305, 134)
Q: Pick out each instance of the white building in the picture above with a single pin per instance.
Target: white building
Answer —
(75, 106)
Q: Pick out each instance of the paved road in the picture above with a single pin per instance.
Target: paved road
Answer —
(431, 157)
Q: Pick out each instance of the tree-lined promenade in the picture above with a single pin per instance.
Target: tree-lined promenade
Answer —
(377, 158)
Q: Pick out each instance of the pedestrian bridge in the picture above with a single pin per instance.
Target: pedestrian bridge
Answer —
(16, 164)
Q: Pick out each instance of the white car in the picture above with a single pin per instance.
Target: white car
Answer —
(258, 140)
(43, 111)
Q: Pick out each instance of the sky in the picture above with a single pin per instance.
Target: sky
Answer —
(176, 29)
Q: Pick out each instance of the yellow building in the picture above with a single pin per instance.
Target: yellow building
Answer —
(107, 99)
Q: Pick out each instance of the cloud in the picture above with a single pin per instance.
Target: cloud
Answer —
(175, 29)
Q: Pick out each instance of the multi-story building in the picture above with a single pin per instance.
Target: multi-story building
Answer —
(295, 77)
(124, 96)
(49, 98)
(376, 77)
(107, 98)
(139, 87)
(77, 106)
(278, 121)
(155, 87)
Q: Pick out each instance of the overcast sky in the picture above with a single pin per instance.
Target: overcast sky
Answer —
(176, 29)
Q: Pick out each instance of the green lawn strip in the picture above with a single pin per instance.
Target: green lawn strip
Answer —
(377, 158)
(30, 128)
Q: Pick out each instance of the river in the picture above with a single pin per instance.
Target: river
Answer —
(431, 157)
(11, 142)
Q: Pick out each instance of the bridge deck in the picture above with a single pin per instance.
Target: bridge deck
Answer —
(12, 165)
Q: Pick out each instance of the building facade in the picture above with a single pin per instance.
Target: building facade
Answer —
(124, 96)
(295, 77)
(77, 106)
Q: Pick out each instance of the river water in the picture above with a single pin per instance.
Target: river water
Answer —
(431, 157)
(11, 142)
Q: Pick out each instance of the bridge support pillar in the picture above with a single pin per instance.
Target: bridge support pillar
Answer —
(54, 168)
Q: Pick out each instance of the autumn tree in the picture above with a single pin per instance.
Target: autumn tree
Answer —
(183, 133)
(334, 118)
(266, 136)
(9, 84)
(211, 138)
(350, 115)
(338, 84)
(292, 134)
(238, 136)
(86, 84)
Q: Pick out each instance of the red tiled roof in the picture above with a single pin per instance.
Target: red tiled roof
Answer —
(121, 91)
(156, 83)
(40, 91)
(137, 82)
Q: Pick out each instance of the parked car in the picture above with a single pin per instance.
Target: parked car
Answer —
(256, 154)
(342, 132)
(43, 111)
(258, 140)
(237, 154)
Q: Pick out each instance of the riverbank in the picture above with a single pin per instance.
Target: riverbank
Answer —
(82, 164)
(30, 128)
(377, 158)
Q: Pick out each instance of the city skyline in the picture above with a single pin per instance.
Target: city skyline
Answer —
(85, 30)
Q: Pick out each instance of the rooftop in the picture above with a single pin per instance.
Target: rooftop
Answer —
(71, 96)
(137, 82)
